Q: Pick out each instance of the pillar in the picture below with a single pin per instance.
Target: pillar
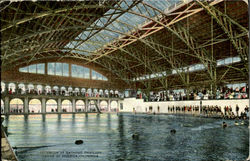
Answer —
(86, 105)
(200, 107)
(6, 88)
(26, 105)
(43, 105)
(118, 105)
(73, 105)
(98, 104)
(59, 105)
(6, 104)
(109, 105)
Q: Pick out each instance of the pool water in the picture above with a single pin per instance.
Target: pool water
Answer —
(52, 137)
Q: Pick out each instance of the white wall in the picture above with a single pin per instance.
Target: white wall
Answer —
(140, 105)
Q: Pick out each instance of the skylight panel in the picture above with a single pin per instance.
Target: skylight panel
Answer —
(123, 24)
(32, 68)
(236, 59)
(24, 69)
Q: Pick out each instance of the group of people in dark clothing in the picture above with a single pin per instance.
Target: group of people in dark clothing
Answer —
(221, 93)
(211, 111)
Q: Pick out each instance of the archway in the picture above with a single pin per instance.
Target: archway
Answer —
(35, 106)
(51, 106)
(95, 92)
(39, 89)
(101, 93)
(83, 91)
(70, 90)
(2, 106)
(16, 105)
(11, 88)
(31, 88)
(47, 90)
(77, 91)
(55, 90)
(103, 106)
(63, 91)
(89, 92)
(106, 93)
(116, 93)
(21, 88)
(113, 106)
(66, 106)
(111, 93)
(92, 106)
(80, 106)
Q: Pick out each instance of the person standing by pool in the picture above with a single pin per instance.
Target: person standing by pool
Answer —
(237, 110)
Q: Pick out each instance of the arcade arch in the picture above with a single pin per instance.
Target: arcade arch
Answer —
(66, 106)
(16, 105)
(11, 88)
(39, 89)
(92, 106)
(35, 106)
(21, 88)
(51, 106)
(103, 106)
(80, 106)
(113, 106)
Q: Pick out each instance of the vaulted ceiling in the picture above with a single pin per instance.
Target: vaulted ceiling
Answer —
(131, 39)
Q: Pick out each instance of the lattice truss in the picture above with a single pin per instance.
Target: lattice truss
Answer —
(132, 39)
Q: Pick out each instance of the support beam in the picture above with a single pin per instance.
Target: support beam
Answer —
(26, 105)
(44, 105)
(109, 105)
(73, 105)
(6, 105)
(86, 105)
(231, 28)
(59, 105)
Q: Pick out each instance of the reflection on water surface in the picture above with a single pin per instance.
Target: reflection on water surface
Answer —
(109, 137)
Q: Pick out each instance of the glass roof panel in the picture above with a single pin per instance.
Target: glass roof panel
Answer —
(93, 39)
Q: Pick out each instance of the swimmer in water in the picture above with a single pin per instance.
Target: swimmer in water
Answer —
(224, 124)
(173, 131)
(135, 136)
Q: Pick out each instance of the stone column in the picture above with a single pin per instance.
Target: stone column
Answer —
(16, 87)
(86, 105)
(109, 106)
(59, 105)
(6, 88)
(73, 105)
(200, 107)
(26, 105)
(43, 105)
(6, 105)
(98, 104)
(118, 105)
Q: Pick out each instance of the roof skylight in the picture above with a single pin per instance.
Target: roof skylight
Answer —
(114, 24)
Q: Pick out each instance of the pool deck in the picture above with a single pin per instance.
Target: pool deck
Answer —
(7, 153)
